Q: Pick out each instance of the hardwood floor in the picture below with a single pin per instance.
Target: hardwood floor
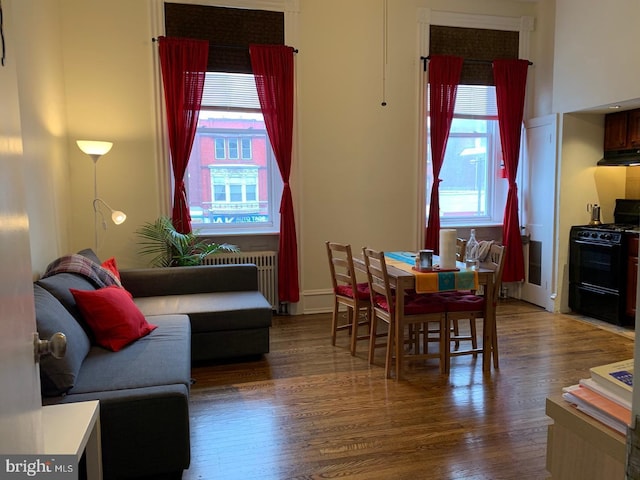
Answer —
(308, 410)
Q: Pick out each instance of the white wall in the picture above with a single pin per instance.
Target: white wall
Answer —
(35, 45)
(359, 161)
(108, 60)
(356, 166)
(596, 51)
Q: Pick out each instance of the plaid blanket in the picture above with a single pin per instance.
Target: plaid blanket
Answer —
(81, 265)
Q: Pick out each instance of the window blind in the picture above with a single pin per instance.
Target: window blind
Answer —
(477, 44)
(229, 31)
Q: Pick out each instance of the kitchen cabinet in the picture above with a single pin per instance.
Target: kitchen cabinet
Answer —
(622, 130)
(632, 276)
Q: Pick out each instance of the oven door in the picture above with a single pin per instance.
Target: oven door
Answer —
(597, 265)
(597, 303)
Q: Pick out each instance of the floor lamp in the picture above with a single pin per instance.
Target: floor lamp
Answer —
(95, 150)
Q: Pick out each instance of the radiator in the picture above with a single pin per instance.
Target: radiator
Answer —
(267, 263)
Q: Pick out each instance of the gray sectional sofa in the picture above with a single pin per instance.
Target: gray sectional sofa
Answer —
(229, 316)
(204, 313)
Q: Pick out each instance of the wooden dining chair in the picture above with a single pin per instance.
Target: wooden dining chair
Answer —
(473, 306)
(350, 293)
(419, 310)
(461, 249)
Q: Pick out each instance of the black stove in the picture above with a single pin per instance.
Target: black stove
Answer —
(610, 233)
(598, 260)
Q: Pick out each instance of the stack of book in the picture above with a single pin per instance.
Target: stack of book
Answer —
(606, 396)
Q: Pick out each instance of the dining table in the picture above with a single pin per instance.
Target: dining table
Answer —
(403, 277)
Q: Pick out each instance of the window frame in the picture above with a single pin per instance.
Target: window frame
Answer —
(495, 191)
(426, 18)
(166, 183)
(274, 184)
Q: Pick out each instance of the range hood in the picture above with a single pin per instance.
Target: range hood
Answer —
(621, 158)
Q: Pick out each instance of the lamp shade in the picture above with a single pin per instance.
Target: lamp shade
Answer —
(94, 147)
(118, 217)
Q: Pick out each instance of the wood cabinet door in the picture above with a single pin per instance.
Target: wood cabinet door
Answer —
(633, 129)
(615, 131)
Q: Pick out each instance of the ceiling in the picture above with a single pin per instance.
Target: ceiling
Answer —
(612, 107)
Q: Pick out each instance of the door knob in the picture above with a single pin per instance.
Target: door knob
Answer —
(56, 346)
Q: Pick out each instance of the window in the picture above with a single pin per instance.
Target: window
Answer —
(472, 191)
(233, 178)
(246, 148)
(220, 150)
(233, 148)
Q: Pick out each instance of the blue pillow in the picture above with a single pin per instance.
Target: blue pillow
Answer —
(57, 376)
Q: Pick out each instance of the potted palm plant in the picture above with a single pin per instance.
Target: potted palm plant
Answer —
(171, 248)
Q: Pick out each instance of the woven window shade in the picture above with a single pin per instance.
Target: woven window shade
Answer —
(475, 44)
(230, 31)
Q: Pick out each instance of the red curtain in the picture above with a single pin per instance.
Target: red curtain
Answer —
(184, 63)
(444, 76)
(273, 70)
(511, 79)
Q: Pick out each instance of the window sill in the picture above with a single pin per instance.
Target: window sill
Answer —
(471, 225)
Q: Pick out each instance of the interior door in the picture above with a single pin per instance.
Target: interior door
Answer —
(20, 403)
(538, 211)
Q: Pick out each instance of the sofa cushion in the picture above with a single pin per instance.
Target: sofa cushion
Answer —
(90, 254)
(57, 376)
(213, 311)
(112, 316)
(161, 358)
(59, 286)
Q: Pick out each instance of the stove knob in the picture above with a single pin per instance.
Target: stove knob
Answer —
(594, 235)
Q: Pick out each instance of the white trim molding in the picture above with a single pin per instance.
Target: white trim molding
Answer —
(524, 25)
(272, 5)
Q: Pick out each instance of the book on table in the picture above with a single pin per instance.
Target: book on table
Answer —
(596, 387)
(599, 407)
(615, 377)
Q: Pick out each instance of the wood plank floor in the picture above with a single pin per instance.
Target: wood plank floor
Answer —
(308, 410)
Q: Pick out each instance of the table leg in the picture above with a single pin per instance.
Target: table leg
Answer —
(489, 328)
(93, 453)
(399, 340)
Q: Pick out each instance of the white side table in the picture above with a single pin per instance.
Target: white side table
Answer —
(73, 429)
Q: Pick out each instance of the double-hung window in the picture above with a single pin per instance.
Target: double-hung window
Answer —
(473, 190)
(233, 183)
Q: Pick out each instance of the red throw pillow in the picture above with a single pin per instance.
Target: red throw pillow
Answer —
(111, 265)
(113, 317)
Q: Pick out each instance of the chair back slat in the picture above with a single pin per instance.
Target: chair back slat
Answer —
(495, 261)
(461, 249)
(341, 265)
(377, 276)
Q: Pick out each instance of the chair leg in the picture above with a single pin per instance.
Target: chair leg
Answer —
(474, 334)
(425, 337)
(334, 323)
(445, 346)
(372, 337)
(354, 314)
(494, 343)
(456, 331)
(390, 346)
